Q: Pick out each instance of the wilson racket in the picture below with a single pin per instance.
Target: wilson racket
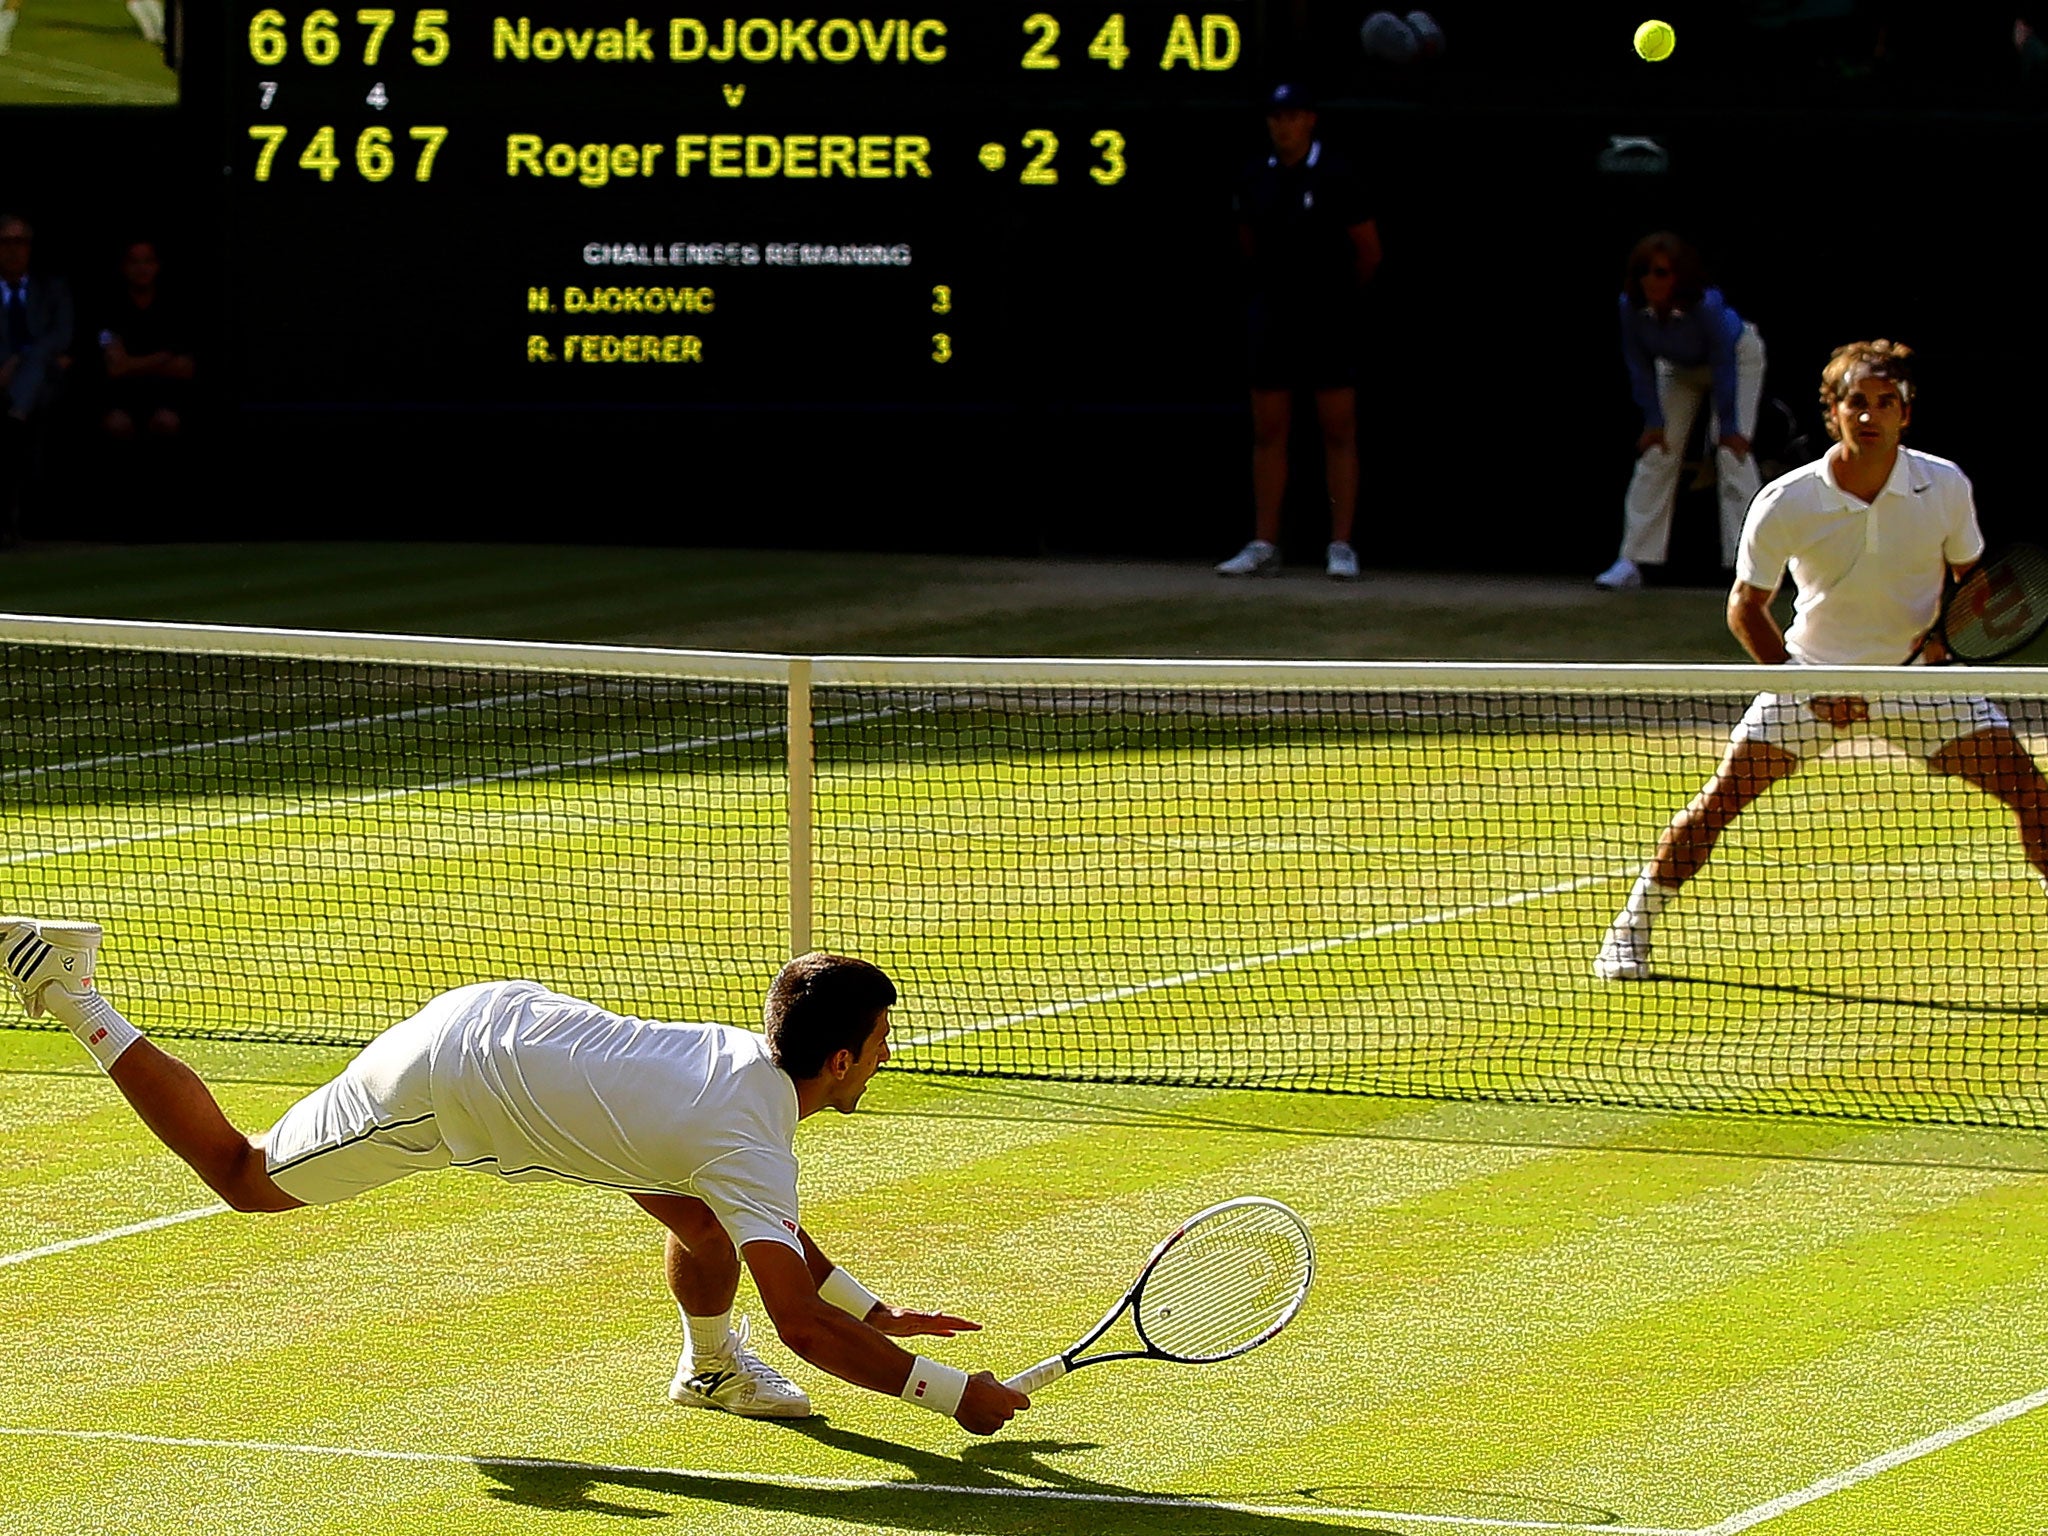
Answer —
(1997, 609)
(1226, 1281)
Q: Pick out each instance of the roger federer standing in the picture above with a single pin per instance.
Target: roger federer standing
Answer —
(1310, 246)
(1868, 531)
(694, 1122)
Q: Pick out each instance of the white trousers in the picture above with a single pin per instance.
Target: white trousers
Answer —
(1653, 488)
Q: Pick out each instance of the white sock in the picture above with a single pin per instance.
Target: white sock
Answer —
(7, 18)
(95, 1021)
(708, 1335)
(1645, 902)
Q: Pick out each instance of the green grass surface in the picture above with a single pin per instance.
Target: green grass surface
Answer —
(895, 604)
(83, 53)
(1585, 1318)
(1528, 1317)
(1398, 896)
(855, 603)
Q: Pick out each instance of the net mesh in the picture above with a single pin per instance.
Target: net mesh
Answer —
(1380, 887)
(308, 850)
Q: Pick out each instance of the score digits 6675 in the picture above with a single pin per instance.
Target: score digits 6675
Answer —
(1212, 42)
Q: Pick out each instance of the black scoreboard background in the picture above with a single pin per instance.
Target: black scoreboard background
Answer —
(888, 277)
(951, 206)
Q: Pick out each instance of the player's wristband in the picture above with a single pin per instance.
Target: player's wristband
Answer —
(934, 1386)
(848, 1294)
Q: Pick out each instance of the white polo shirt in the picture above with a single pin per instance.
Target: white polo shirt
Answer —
(532, 1084)
(1869, 574)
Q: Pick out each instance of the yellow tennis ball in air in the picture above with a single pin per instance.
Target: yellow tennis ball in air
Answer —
(1655, 40)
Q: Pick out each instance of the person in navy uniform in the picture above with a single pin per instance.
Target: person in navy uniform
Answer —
(1310, 246)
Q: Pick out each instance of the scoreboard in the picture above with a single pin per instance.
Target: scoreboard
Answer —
(974, 204)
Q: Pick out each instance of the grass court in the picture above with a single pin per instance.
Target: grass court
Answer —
(83, 53)
(1527, 1317)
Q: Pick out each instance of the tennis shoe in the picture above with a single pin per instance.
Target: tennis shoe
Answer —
(1340, 563)
(1623, 573)
(1257, 558)
(1625, 956)
(37, 955)
(736, 1380)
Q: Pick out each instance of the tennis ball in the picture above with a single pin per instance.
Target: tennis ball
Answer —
(1655, 40)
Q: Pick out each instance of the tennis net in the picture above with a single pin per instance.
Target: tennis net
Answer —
(1351, 877)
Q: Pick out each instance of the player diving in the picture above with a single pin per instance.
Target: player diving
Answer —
(694, 1122)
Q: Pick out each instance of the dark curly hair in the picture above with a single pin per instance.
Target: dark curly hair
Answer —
(821, 1004)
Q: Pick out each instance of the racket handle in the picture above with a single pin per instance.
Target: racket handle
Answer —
(1039, 1375)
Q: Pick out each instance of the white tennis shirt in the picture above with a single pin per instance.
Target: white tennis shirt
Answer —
(1869, 574)
(530, 1084)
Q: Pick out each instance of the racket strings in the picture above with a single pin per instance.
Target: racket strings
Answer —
(1225, 1283)
(1999, 607)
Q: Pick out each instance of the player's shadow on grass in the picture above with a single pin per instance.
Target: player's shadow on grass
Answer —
(1079, 1109)
(983, 1490)
(116, 29)
(2005, 1010)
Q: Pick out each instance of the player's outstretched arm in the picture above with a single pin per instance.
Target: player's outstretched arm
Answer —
(897, 1322)
(855, 1351)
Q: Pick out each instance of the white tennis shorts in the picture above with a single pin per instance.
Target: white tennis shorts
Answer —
(1919, 727)
(372, 1124)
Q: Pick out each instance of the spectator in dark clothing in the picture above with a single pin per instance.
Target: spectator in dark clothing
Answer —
(1312, 245)
(35, 323)
(147, 350)
(2033, 52)
(35, 351)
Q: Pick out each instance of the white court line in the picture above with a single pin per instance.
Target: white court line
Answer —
(326, 807)
(1878, 1465)
(311, 728)
(599, 1469)
(130, 1230)
(1273, 957)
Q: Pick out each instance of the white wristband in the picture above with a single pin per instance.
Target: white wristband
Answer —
(848, 1294)
(934, 1386)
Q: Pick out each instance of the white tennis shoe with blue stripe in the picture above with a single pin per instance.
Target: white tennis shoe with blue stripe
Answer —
(36, 955)
(738, 1381)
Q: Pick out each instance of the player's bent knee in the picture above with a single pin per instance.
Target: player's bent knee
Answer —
(245, 1184)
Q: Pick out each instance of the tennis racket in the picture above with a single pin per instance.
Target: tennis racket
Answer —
(1227, 1280)
(1997, 609)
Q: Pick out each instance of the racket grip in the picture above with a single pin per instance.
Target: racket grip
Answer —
(1039, 1375)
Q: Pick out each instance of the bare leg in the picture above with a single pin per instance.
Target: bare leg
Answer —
(699, 1260)
(185, 1117)
(1337, 411)
(1748, 769)
(1272, 411)
(166, 1094)
(717, 1369)
(1996, 762)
